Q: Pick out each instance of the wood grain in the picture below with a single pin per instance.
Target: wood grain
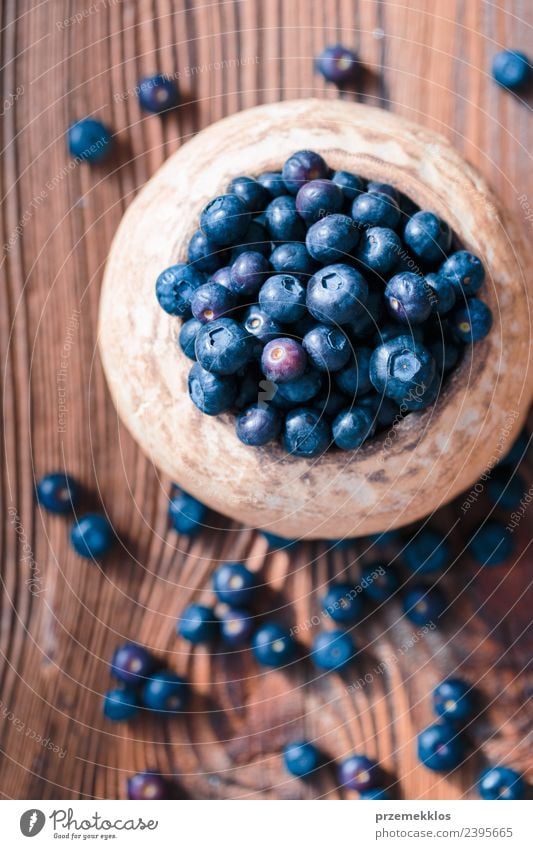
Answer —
(425, 60)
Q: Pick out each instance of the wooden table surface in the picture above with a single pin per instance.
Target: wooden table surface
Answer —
(61, 617)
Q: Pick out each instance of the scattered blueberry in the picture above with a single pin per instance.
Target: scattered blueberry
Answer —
(379, 582)
(338, 64)
(89, 140)
(501, 782)
(186, 513)
(301, 758)
(236, 626)
(359, 773)
(131, 663)
(491, 544)
(306, 433)
(374, 793)
(197, 624)
(258, 424)
(343, 603)
(158, 93)
(234, 584)
(511, 69)
(273, 645)
(453, 700)
(92, 536)
(120, 705)
(147, 785)
(332, 650)
(427, 551)
(166, 692)
(423, 605)
(440, 747)
(58, 492)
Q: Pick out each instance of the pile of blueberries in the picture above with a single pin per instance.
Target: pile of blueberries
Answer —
(319, 306)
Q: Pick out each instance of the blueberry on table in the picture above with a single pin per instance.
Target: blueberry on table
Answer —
(352, 427)
(328, 348)
(511, 69)
(272, 645)
(428, 237)
(204, 255)
(343, 603)
(351, 184)
(120, 705)
(58, 492)
(198, 624)
(175, 287)
(89, 140)
(248, 273)
(336, 294)
(299, 391)
(332, 650)
(358, 772)
(131, 663)
(378, 793)
(283, 359)
(186, 513)
(225, 220)
(318, 198)
(375, 187)
(454, 700)
(427, 551)
(258, 424)
(354, 378)
(293, 258)
(338, 64)
(147, 785)
(301, 167)
(273, 182)
(236, 626)
(440, 747)
(442, 294)
(187, 337)
(472, 322)
(223, 346)
(423, 605)
(306, 433)
(491, 544)
(501, 782)
(211, 393)
(379, 582)
(282, 297)
(253, 195)
(332, 239)
(301, 758)
(166, 692)
(464, 271)
(234, 584)
(211, 301)
(402, 368)
(158, 93)
(409, 298)
(379, 249)
(283, 222)
(374, 209)
(92, 536)
(261, 325)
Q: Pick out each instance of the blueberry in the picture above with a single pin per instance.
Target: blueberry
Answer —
(58, 492)
(423, 605)
(384, 410)
(427, 551)
(255, 239)
(248, 273)
(92, 536)
(282, 297)
(369, 320)
(272, 645)
(131, 663)
(283, 359)
(464, 271)
(421, 397)
(166, 692)
(211, 393)
(338, 64)
(372, 209)
(409, 298)
(332, 239)
(187, 337)
(472, 322)
(275, 541)
(293, 258)
(253, 195)
(428, 236)
(329, 402)
(354, 379)
(491, 544)
(440, 747)
(401, 368)
(332, 650)
(327, 347)
(501, 782)
(301, 167)
(375, 187)
(186, 513)
(336, 294)
(158, 93)
(120, 705)
(272, 181)
(234, 584)
(283, 222)
(392, 329)
(379, 249)
(260, 325)
(359, 773)
(236, 626)
(511, 69)
(301, 757)
(375, 793)
(446, 352)
(352, 185)
(89, 140)
(211, 301)
(225, 220)
(258, 425)
(442, 295)
(505, 489)
(379, 582)
(250, 390)
(343, 603)
(204, 255)
(223, 346)
(306, 434)
(317, 199)
(352, 427)
(175, 287)
(147, 785)
(301, 390)
(197, 624)
(454, 700)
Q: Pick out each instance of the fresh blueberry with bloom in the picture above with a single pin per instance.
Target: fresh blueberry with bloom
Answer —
(258, 424)
(440, 747)
(255, 239)
(120, 705)
(409, 298)
(283, 221)
(248, 273)
(338, 64)
(90, 140)
(253, 195)
(351, 184)
(204, 255)
(282, 297)
(92, 536)
(401, 368)
(166, 692)
(354, 378)
(378, 793)
(251, 387)
(336, 294)
(293, 258)
(283, 360)
(472, 322)
(454, 700)
(442, 294)
(491, 544)
(332, 650)
(428, 237)
(187, 337)
(511, 69)
(273, 645)
(58, 492)
(358, 772)
(158, 93)
(374, 209)
(329, 402)
(301, 758)
(225, 220)
(186, 513)
(306, 433)
(392, 329)
(375, 187)
(383, 410)
(273, 182)
(234, 584)
(343, 603)
(332, 239)
(317, 199)
(379, 581)
(131, 663)
(446, 352)
(328, 348)
(175, 287)
(301, 390)
(427, 551)
(236, 626)
(198, 624)
(379, 250)
(352, 427)
(211, 393)
(223, 346)
(260, 325)
(423, 605)
(302, 167)
(464, 271)
(501, 782)
(211, 301)
(147, 785)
